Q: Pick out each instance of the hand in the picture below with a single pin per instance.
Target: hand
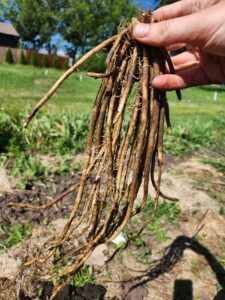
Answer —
(197, 24)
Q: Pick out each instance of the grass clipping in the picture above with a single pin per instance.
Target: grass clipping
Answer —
(120, 155)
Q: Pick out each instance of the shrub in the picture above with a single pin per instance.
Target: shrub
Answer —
(66, 65)
(45, 63)
(61, 133)
(55, 62)
(34, 59)
(22, 58)
(96, 63)
(9, 56)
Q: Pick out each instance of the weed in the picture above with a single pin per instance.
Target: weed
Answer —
(166, 212)
(143, 256)
(191, 137)
(84, 276)
(222, 211)
(139, 242)
(165, 209)
(62, 134)
(195, 267)
(15, 234)
(218, 164)
(161, 236)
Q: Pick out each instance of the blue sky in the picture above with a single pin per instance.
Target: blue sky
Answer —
(152, 3)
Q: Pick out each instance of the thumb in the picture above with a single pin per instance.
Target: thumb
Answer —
(187, 29)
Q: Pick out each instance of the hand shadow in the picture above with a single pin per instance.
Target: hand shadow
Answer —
(183, 289)
(220, 295)
(173, 254)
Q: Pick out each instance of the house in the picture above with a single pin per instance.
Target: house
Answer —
(9, 37)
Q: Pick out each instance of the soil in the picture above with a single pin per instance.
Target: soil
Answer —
(188, 269)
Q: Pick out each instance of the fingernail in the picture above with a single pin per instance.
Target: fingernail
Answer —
(141, 30)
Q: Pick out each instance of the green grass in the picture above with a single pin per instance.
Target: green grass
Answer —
(22, 86)
(197, 104)
(61, 127)
(13, 235)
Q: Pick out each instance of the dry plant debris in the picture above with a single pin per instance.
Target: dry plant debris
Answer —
(120, 155)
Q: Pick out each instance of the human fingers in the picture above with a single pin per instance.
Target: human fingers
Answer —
(181, 8)
(181, 80)
(176, 46)
(200, 29)
(186, 60)
(167, 32)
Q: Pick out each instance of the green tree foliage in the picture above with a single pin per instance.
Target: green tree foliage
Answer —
(55, 62)
(27, 19)
(82, 23)
(87, 23)
(36, 21)
(95, 63)
(45, 62)
(34, 59)
(22, 58)
(50, 15)
(9, 56)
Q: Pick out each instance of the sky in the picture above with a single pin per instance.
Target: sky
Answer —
(152, 3)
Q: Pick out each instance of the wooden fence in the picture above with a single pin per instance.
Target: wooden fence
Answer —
(63, 60)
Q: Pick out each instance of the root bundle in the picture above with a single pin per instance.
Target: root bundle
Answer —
(124, 142)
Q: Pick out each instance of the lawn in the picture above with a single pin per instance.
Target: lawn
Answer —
(22, 86)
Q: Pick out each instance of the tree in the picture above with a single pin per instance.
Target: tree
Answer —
(88, 22)
(34, 59)
(45, 62)
(36, 21)
(50, 14)
(22, 58)
(9, 56)
(55, 62)
(26, 17)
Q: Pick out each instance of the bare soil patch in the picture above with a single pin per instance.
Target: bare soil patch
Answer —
(195, 268)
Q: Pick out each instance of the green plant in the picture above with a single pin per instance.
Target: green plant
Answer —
(6, 132)
(161, 236)
(222, 211)
(56, 133)
(55, 62)
(96, 63)
(66, 65)
(9, 56)
(29, 168)
(218, 164)
(45, 62)
(15, 234)
(22, 58)
(139, 242)
(61, 134)
(34, 59)
(166, 212)
(84, 276)
(190, 137)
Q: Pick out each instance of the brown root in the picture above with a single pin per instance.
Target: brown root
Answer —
(120, 155)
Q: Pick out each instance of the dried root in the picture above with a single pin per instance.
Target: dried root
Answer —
(120, 155)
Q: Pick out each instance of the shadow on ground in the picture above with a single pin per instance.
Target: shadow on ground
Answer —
(183, 289)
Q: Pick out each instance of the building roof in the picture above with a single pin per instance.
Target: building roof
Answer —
(8, 29)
